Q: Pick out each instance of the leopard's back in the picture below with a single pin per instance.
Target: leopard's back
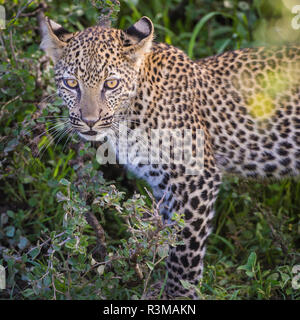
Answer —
(250, 100)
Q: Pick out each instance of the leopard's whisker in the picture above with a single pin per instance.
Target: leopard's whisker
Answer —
(57, 130)
(51, 141)
(70, 137)
(65, 132)
(53, 128)
(26, 131)
(49, 97)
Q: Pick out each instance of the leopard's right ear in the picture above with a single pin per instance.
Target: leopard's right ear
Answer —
(138, 39)
(54, 37)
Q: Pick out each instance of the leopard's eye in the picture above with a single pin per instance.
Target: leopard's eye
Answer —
(111, 84)
(71, 83)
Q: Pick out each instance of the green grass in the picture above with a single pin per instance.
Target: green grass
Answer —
(46, 246)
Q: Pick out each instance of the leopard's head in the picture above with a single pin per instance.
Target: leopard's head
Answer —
(97, 71)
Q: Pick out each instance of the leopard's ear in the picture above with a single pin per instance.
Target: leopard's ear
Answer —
(54, 37)
(139, 37)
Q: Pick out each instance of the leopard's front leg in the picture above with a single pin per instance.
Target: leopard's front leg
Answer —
(194, 197)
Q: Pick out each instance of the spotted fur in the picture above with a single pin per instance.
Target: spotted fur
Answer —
(246, 102)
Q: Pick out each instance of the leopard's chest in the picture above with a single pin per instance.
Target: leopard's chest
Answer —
(136, 158)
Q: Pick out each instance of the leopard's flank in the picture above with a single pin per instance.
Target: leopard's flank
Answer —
(246, 103)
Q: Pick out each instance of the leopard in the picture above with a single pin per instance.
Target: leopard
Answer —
(245, 103)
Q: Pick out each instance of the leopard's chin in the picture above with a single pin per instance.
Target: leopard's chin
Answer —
(89, 136)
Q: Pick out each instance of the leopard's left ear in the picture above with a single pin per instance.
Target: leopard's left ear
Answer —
(54, 37)
(139, 37)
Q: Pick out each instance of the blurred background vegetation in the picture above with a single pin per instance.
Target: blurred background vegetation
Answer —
(48, 182)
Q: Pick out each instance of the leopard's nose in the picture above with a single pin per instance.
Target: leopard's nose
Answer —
(89, 118)
(90, 123)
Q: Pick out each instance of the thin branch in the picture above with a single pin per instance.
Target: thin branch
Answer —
(13, 48)
(100, 236)
(20, 11)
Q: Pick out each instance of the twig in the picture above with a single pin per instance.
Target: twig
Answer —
(2, 110)
(100, 236)
(13, 48)
(148, 277)
(275, 234)
(20, 11)
(45, 242)
(10, 101)
(31, 14)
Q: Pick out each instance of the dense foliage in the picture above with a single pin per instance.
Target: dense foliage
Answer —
(50, 182)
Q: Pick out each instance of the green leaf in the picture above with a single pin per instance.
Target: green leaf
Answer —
(64, 182)
(252, 260)
(150, 265)
(28, 293)
(163, 251)
(101, 269)
(250, 274)
(12, 144)
(187, 285)
(10, 231)
(34, 253)
(23, 243)
(198, 28)
(244, 267)
(61, 197)
(10, 213)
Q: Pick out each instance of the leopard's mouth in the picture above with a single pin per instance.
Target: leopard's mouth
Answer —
(90, 133)
(94, 134)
